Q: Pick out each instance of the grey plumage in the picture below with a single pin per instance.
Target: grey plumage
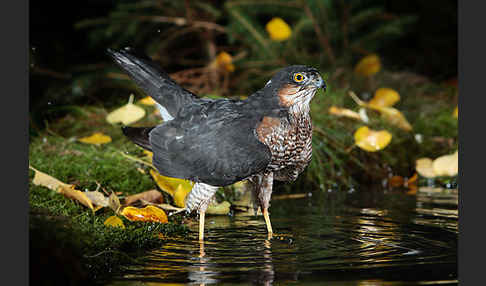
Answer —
(219, 142)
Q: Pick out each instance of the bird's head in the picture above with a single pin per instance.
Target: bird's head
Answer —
(295, 85)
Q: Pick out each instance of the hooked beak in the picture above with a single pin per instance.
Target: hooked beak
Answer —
(318, 82)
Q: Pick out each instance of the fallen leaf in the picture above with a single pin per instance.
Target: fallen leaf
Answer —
(278, 29)
(170, 185)
(344, 112)
(412, 180)
(396, 181)
(222, 208)
(390, 114)
(412, 190)
(368, 65)
(147, 101)
(152, 196)
(148, 213)
(447, 165)
(384, 97)
(223, 61)
(148, 155)
(76, 195)
(424, 167)
(45, 180)
(97, 138)
(371, 140)
(393, 116)
(180, 195)
(114, 221)
(114, 203)
(97, 198)
(126, 114)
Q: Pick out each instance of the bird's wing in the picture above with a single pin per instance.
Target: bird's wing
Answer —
(216, 145)
(154, 81)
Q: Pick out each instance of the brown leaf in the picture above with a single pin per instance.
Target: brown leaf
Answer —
(152, 196)
(396, 181)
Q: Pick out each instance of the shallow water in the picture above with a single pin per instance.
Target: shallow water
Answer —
(372, 237)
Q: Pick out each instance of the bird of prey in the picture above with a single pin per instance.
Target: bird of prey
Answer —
(217, 142)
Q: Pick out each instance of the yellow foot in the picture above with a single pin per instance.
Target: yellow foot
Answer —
(268, 223)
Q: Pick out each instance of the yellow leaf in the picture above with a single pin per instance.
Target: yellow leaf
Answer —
(394, 116)
(76, 195)
(224, 61)
(170, 185)
(368, 65)
(222, 208)
(180, 195)
(43, 179)
(371, 140)
(344, 112)
(278, 29)
(114, 221)
(126, 114)
(96, 138)
(148, 154)
(455, 113)
(424, 167)
(147, 101)
(148, 213)
(384, 97)
(389, 113)
(447, 165)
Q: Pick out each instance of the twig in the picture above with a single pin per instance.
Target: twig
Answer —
(179, 21)
(291, 196)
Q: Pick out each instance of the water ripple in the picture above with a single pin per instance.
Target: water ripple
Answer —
(382, 242)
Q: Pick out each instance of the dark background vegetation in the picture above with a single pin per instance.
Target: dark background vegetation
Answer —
(62, 54)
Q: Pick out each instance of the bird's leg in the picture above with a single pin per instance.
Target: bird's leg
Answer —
(202, 215)
(199, 199)
(268, 223)
(262, 188)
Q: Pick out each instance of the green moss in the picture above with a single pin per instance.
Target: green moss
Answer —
(62, 223)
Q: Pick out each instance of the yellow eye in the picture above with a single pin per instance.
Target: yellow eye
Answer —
(298, 77)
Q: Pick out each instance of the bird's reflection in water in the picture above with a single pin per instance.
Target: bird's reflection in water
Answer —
(206, 268)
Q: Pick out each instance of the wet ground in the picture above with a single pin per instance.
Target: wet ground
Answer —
(363, 237)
